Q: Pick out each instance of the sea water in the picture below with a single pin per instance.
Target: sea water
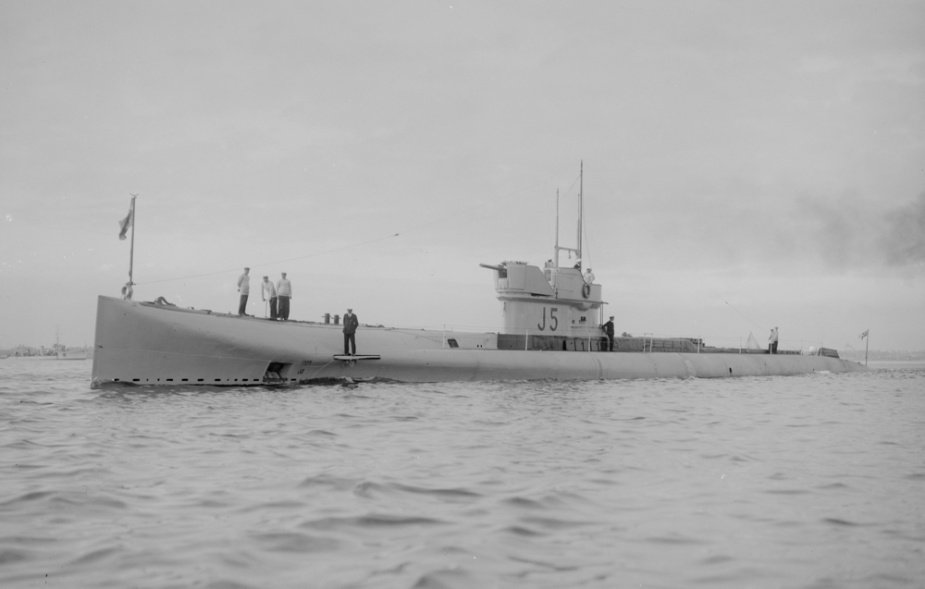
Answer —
(814, 481)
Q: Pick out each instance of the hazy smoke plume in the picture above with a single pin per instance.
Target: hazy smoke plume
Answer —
(903, 243)
(846, 233)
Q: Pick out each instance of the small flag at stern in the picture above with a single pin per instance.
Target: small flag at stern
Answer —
(863, 335)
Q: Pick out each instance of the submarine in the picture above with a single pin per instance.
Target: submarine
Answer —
(552, 329)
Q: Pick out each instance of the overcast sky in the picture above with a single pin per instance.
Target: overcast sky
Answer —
(747, 164)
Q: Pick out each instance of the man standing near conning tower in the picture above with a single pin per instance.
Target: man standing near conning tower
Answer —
(772, 341)
(608, 330)
(283, 294)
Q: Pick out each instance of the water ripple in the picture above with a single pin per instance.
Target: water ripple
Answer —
(755, 482)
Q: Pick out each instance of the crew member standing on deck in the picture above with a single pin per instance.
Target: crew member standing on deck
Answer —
(350, 328)
(283, 294)
(269, 294)
(608, 329)
(589, 276)
(772, 342)
(244, 287)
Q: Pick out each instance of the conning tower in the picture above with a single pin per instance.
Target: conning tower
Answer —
(555, 308)
(554, 302)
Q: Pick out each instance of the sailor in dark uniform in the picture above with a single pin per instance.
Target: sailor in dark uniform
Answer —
(350, 328)
(608, 329)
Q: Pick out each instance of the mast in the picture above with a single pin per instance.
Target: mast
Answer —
(581, 203)
(557, 228)
(577, 249)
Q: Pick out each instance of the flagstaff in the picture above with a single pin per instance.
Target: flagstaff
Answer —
(124, 225)
(866, 337)
(866, 345)
(131, 251)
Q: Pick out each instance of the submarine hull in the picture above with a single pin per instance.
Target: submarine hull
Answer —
(154, 344)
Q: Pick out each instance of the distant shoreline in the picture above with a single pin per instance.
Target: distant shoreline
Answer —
(883, 356)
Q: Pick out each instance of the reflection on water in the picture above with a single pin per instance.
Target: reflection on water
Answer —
(812, 481)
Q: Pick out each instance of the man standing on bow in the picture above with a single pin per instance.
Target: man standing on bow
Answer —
(283, 294)
(350, 328)
(269, 294)
(244, 287)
